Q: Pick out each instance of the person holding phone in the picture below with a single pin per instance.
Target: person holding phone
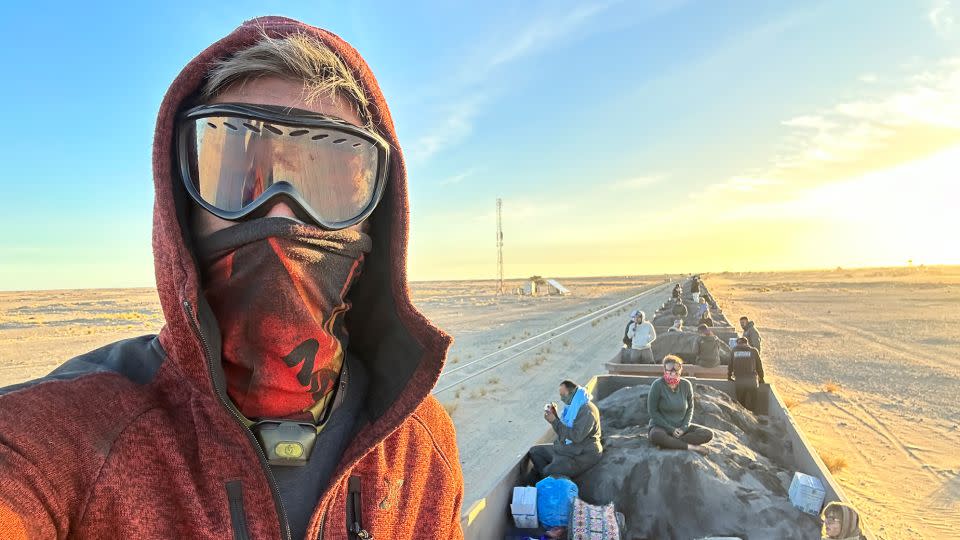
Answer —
(577, 446)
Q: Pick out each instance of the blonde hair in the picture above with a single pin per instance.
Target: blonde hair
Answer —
(298, 57)
(672, 359)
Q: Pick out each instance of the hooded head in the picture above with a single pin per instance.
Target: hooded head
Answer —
(402, 351)
(840, 520)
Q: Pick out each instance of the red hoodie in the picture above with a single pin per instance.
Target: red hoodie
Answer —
(138, 440)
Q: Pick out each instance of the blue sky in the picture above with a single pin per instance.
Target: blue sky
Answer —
(624, 137)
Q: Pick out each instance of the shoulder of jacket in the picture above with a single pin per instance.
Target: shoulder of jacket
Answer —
(66, 425)
(431, 418)
(135, 360)
(87, 401)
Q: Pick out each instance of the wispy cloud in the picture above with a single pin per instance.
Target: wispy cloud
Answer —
(635, 183)
(540, 34)
(522, 210)
(924, 110)
(455, 125)
(457, 178)
(462, 102)
(943, 17)
(735, 185)
(846, 140)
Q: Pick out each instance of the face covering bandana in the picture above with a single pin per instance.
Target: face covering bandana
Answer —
(671, 378)
(278, 289)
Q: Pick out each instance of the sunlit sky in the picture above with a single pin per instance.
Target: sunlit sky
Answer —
(624, 137)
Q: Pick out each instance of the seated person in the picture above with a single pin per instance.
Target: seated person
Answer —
(577, 447)
(708, 348)
(703, 309)
(706, 321)
(679, 309)
(746, 370)
(841, 521)
(677, 326)
(670, 404)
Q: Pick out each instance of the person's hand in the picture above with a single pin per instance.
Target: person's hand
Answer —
(550, 414)
(677, 433)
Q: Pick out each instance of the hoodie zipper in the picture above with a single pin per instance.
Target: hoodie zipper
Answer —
(284, 520)
(355, 510)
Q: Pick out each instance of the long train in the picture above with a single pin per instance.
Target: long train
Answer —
(489, 517)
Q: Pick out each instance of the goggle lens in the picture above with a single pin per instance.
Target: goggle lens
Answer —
(233, 162)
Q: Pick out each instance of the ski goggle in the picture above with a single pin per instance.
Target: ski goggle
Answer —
(234, 158)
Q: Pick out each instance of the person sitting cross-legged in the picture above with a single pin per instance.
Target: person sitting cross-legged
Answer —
(670, 405)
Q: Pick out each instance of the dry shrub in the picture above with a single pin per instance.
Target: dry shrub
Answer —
(451, 407)
(455, 359)
(831, 387)
(791, 402)
(566, 343)
(594, 322)
(525, 367)
(834, 463)
(493, 380)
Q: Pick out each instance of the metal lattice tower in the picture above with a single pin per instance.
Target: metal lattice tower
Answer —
(499, 246)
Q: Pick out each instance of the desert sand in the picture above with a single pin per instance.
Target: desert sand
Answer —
(869, 361)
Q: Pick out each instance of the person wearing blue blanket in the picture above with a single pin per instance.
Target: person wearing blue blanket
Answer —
(577, 447)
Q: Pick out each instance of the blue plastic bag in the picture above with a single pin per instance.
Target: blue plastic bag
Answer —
(554, 499)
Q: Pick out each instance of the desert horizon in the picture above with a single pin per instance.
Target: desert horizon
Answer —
(851, 351)
(522, 279)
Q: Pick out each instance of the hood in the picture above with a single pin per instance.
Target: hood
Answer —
(402, 350)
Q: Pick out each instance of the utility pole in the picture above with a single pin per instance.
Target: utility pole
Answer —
(499, 246)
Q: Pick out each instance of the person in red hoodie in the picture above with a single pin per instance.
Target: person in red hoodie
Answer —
(288, 394)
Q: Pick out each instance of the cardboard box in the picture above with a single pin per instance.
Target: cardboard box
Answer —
(524, 507)
(807, 493)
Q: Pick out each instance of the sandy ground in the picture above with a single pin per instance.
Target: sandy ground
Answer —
(40, 330)
(869, 361)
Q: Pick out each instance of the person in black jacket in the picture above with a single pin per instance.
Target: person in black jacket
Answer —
(746, 369)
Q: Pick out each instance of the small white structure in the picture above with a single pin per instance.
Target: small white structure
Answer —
(555, 285)
(537, 286)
